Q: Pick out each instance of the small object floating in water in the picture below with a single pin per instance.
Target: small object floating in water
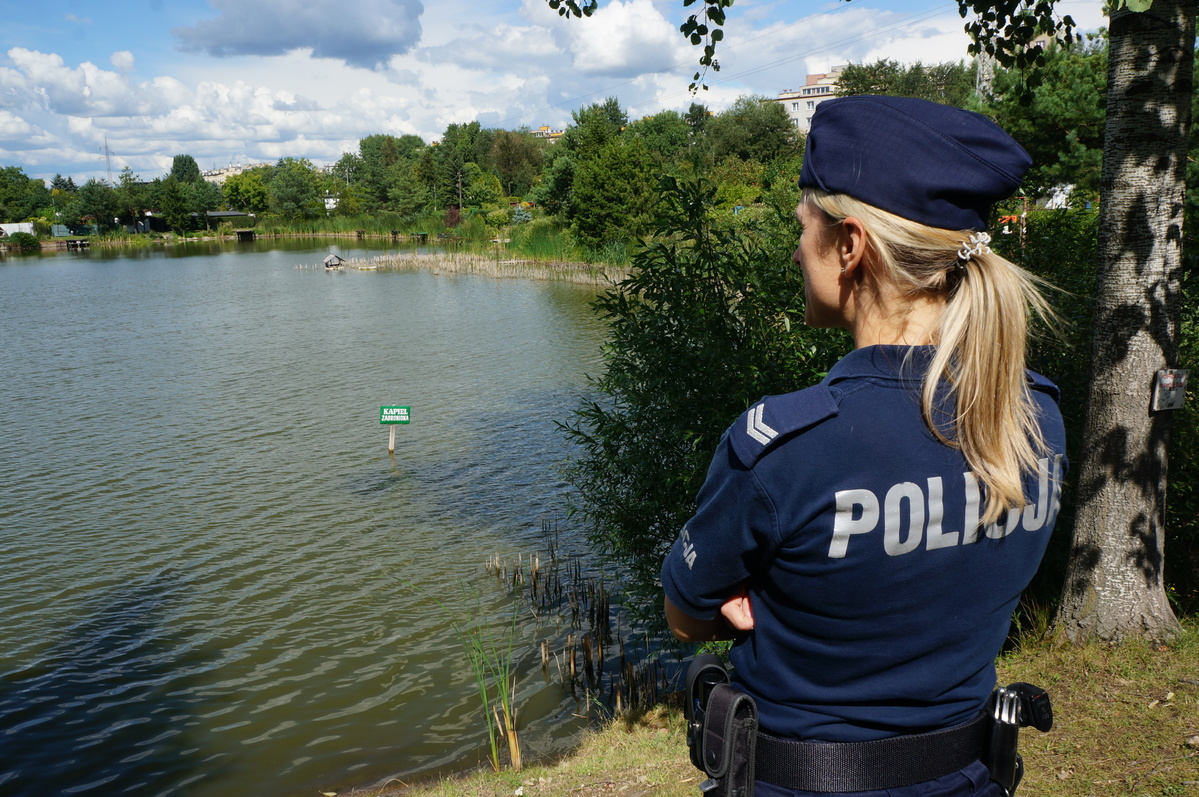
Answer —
(334, 262)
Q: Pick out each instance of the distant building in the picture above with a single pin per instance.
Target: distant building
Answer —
(800, 104)
(549, 135)
(20, 226)
(219, 176)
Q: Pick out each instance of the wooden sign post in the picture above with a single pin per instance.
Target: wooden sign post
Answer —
(392, 416)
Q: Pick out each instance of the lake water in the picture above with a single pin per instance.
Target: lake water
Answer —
(216, 581)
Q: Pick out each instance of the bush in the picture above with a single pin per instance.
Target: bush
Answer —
(24, 242)
(496, 219)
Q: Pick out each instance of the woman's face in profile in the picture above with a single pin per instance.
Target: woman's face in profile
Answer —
(817, 257)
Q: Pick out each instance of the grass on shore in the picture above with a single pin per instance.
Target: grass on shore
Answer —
(1126, 725)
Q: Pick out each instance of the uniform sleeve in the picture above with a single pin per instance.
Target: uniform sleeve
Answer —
(733, 534)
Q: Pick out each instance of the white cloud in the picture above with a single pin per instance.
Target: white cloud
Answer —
(12, 126)
(362, 33)
(44, 80)
(504, 47)
(626, 38)
(778, 56)
(122, 60)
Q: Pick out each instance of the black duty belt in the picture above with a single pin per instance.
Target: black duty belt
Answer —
(868, 766)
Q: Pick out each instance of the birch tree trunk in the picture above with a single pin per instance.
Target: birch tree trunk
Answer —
(1114, 588)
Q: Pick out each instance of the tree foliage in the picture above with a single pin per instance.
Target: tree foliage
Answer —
(1008, 31)
(612, 193)
(1060, 121)
(20, 196)
(666, 135)
(60, 183)
(172, 204)
(516, 158)
(185, 169)
(949, 83)
(98, 204)
(294, 190)
(382, 161)
(132, 196)
(247, 192)
(753, 128)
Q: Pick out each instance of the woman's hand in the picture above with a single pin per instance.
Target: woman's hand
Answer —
(738, 613)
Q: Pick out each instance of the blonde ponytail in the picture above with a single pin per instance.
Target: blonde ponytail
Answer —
(980, 341)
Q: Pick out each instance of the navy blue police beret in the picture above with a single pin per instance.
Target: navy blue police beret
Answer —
(935, 164)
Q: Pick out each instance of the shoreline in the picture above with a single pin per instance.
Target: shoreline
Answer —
(473, 263)
(456, 261)
(1125, 723)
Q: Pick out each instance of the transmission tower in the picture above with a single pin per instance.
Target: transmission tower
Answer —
(985, 74)
(108, 160)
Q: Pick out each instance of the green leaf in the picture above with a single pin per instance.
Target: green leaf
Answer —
(1140, 6)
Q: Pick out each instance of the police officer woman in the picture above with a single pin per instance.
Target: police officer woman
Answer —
(865, 540)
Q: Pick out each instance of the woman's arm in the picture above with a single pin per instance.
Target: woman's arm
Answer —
(735, 618)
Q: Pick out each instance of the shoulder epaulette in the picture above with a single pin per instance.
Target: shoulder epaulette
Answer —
(776, 417)
(1038, 382)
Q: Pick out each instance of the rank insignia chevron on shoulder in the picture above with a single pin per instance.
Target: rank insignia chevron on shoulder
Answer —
(776, 417)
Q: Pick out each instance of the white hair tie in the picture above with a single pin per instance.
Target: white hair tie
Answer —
(977, 245)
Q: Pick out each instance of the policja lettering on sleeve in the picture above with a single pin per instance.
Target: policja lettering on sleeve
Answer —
(858, 512)
(688, 548)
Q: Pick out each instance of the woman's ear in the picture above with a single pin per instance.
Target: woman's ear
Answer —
(852, 246)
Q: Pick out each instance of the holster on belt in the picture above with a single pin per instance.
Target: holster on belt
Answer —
(730, 735)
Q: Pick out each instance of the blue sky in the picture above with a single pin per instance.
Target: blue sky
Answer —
(250, 81)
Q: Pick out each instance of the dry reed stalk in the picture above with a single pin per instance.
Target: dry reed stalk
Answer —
(473, 263)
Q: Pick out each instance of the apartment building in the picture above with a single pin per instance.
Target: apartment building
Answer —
(801, 103)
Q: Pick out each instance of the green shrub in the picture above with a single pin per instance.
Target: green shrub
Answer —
(496, 219)
(24, 242)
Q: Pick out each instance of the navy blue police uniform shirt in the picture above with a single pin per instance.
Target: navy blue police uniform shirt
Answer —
(879, 601)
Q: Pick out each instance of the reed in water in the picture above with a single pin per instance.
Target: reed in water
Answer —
(490, 266)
